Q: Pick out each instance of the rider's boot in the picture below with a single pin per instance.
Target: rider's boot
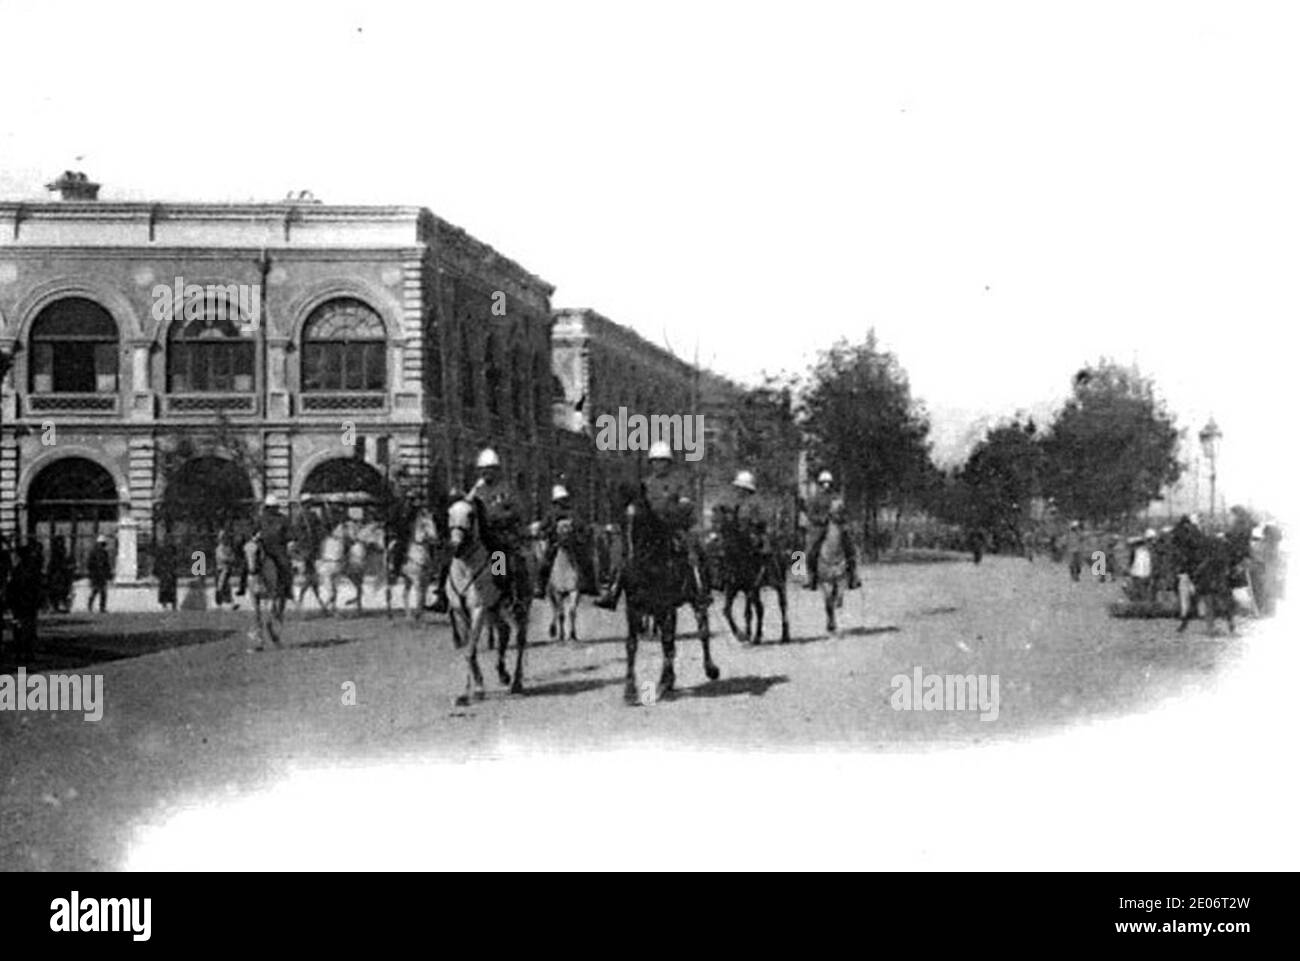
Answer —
(609, 599)
(440, 605)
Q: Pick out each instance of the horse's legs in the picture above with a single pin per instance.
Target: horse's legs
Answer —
(630, 693)
(828, 601)
(571, 611)
(783, 602)
(729, 599)
(757, 603)
(521, 641)
(499, 627)
(557, 614)
(667, 627)
(710, 669)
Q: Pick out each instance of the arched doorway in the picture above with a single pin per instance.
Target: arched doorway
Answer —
(205, 495)
(76, 499)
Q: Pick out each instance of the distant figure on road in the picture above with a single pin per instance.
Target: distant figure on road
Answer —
(23, 597)
(100, 568)
(165, 570)
(1075, 545)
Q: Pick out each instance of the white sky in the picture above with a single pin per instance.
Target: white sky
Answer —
(1004, 190)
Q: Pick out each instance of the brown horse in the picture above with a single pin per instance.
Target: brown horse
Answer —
(655, 579)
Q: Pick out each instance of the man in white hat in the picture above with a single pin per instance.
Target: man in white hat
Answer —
(818, 511)
(560, 513)
(668, 499)
(1142, 567)
(504, 527)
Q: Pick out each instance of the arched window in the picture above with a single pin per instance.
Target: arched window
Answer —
(210, 354)
(492, 374)
(344, 347)
(74, 349)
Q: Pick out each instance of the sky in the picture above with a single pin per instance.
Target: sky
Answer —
(1004, 191)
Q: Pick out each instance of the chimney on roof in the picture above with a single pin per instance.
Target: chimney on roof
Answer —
(74, 185)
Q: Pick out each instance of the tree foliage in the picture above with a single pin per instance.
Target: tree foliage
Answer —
(1112, 448)
(860, 420)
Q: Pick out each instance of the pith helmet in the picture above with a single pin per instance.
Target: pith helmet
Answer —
(660, 450)
(825, 477)
(558, 493)
(488, 458)
(745, 481)
(271, 501)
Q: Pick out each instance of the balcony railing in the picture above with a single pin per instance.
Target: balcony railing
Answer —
(210, 403)
(72, 403)
(331, 401)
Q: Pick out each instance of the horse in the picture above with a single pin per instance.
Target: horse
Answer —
(655, 582)
(419, 563)
(476, 600)
(348, 551)
(832, 570)
(564, 581)
(746, 565)
(266, 587)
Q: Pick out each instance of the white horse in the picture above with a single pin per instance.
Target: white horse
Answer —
(268, 591)
(833, 569)
(353, 551)
(418, 565)
(562, 585)
(477, 602)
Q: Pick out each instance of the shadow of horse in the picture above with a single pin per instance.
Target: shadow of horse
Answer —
(751, 685)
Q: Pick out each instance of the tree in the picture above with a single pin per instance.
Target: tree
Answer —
(1112, 448)
(767, 437)
(1000, 479)
(860, 421)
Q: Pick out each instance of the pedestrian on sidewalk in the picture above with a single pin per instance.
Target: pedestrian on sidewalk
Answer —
(100, 568)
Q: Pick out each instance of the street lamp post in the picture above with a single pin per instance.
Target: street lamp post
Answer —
(1210, 438)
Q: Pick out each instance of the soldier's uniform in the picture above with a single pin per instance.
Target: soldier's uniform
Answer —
(560, 511)
(274, 531)
(818, 509)
(504, 531)
(668, 500)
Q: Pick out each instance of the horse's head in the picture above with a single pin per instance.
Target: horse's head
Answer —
(462, 525)
(423, 529)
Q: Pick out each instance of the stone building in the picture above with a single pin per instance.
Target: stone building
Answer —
(603, 367)
(167, 358)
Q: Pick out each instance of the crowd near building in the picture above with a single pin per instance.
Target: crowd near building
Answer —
(165, 357)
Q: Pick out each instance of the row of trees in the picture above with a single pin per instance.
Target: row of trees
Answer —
(1108, 452)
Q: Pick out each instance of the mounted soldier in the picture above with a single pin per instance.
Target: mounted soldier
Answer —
(818, 509)
(667, 497)
(503, 517)
(274, 532)
(560, 512)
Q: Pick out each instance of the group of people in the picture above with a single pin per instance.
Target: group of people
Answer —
(1211, 571)
(31, 583)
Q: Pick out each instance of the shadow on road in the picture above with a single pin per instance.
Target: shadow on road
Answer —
(752, 685)
(569, 688)
(64, 652)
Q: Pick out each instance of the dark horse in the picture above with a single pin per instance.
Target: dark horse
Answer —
(655, 583)
(748, 563)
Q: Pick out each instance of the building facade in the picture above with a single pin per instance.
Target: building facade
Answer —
(164, 358)
(601, 369)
